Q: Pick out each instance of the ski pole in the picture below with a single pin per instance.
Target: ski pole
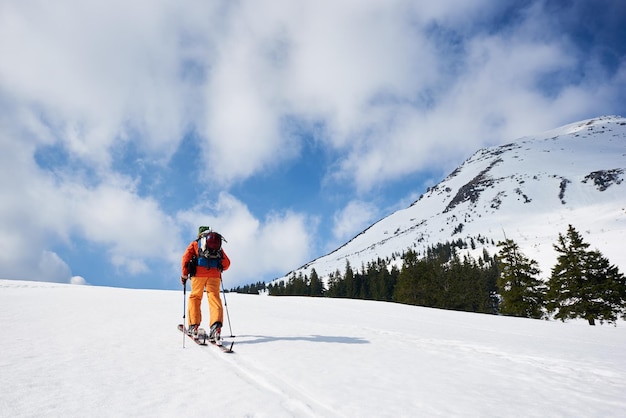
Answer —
(226, 306)
(184, 309)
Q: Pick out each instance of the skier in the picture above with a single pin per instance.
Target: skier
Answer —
(208, 275)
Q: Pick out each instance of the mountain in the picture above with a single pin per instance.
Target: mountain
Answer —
(87, 351)
(528, 190)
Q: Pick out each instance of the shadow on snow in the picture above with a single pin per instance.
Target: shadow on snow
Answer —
(259, 339)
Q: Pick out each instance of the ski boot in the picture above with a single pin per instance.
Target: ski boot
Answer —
(215, 334)
(192, 330)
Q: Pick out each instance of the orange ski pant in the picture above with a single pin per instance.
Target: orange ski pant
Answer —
(212, 286)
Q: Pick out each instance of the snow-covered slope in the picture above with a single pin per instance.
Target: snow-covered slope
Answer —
(78, 351)
(530, 190)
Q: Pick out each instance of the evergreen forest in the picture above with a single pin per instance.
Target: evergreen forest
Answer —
(583, 284)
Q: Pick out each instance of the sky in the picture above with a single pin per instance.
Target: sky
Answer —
(287, 126)
(360, 359)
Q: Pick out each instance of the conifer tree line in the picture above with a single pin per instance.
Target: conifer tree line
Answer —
(439, 279)
(251, 289)
(583, 284)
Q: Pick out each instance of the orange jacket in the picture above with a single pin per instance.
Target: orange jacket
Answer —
(212, 272)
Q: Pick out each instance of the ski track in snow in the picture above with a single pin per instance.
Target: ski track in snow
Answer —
(294, 399)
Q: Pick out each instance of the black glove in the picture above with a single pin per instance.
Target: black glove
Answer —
(183, 280)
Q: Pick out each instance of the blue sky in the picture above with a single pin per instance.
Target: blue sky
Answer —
(287, 126)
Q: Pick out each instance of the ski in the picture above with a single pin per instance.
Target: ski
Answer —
(225, 349)
(202, 339)
(199, 338)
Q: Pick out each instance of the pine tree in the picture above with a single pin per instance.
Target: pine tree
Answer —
(315, 284)
(523, 294)
(348, 278)
(407, 288)
(584, 284)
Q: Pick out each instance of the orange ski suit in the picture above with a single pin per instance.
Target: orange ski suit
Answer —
(205, 278)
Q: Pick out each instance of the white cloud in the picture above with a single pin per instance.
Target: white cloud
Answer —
(391, 81)
(352, 219)
(133, 228)
(385, 77)
(97, 73)
(317, 62)
(41, 210)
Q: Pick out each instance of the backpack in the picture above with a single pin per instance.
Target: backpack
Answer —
(210, 250)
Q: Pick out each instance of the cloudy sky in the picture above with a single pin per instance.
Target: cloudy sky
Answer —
(287, 125)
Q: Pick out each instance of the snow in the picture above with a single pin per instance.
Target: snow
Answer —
(70, 351)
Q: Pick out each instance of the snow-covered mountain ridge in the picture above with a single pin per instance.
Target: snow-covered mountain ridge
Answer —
(530, 190)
